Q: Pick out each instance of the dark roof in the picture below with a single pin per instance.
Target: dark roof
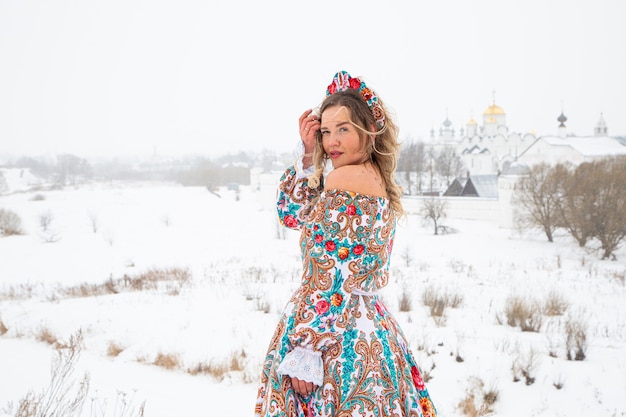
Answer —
(455, 189)
(481, 186)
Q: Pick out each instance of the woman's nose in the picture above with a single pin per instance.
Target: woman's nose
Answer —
(332, 138)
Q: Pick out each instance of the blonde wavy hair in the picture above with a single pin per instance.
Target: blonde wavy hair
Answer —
(383, 149)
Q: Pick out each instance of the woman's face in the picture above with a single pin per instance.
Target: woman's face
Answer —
(340, 138)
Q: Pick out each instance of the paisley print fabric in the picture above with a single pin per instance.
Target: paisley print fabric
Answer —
(335, 331)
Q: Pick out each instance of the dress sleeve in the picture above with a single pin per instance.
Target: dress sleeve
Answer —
(294, 197)
(345, 241)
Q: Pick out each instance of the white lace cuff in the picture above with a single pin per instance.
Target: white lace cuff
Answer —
(301, 172)
(305, 364)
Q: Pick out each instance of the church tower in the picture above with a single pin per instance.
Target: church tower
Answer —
(493, 118)
(601, 129)
(472, 127)
(562, 128)
(446, 131)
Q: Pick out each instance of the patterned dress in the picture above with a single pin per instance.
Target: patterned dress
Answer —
(335, 331)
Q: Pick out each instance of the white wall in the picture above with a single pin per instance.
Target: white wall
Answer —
(466, 208)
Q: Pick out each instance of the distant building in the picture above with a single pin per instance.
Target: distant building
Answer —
(495, 158)
(485, 186)
(574, 149)
(490, 149)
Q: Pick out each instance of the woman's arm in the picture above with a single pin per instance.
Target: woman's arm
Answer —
(343, 240)
(294, 198)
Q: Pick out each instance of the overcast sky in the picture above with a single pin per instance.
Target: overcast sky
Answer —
(120, 77)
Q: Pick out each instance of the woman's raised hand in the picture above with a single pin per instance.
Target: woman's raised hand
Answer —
(309, 125)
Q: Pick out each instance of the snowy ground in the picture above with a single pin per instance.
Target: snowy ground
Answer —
(241, 275)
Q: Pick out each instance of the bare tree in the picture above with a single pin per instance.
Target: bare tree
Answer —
(411, 162)
(70, 168)
(609, 211)
(536, 198)
(448, 164)
(576, 205)
(430, 158)
(434, 210)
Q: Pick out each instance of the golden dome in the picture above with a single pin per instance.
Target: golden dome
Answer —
(471, 122)
(493, 109)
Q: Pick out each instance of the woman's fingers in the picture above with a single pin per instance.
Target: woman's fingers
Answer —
(309, 125)
(303, 388)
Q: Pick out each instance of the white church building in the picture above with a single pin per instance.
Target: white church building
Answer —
(495, 158)
(491, 149)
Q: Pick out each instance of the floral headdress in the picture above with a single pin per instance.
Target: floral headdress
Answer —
(343, 81)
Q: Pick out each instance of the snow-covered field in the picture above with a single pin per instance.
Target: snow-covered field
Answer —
(241, 271)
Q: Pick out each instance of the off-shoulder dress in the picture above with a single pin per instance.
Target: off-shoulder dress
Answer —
(335, 331)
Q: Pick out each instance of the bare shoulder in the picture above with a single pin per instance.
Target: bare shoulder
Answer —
(355, 178)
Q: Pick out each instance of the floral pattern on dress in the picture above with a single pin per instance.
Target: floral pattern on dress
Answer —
(346, 241)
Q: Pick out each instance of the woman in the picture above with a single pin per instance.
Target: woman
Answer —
(336, 350)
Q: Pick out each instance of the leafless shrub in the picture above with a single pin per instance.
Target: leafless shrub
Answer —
(3, 328)
(281, 232)
(427, 373)
(114, 349)
(553, 342)
(170, 280)
(405, 300)
(438, 301)
(436, 304)
(94, 222)
(57, 399)
(38, 197)
(522, 313)
(10, 223)
(109, 237)
(218, 369)
(406, 256)
(478, 401)
(525, 366)
(45, 335)
(48, 233)
(555, 304)
(457, 265)
(254, 274)
(620, 276)
(263, 305)
(454, 300)
(45, 220)
(167, 360)
(559, 383)
(253, 279)
(19, 292)
(457, 356)
(123, 407)
(575, 339)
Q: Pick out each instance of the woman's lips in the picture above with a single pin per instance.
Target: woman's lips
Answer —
(334, 155)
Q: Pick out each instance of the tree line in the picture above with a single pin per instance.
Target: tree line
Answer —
(588, 201)
(425, 169)
(69, 169)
